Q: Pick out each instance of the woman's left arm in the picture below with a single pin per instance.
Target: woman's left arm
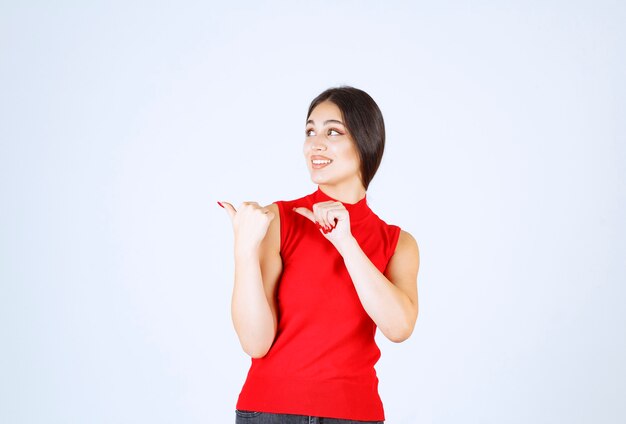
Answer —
(390, 299)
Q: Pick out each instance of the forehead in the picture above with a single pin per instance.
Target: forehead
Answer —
(325, 110)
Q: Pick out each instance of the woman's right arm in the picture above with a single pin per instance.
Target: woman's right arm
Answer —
(258, 266)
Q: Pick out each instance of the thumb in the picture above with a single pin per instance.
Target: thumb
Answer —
(305, 213)
(229, 208)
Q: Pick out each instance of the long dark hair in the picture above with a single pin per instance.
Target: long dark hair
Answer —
(364, 121)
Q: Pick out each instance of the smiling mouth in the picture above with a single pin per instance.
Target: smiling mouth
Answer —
(320, 163)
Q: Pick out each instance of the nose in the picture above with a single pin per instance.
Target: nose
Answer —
(318, 145)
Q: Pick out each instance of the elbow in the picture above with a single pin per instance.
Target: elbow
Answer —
(257, 349)
(399, 336)
(255, 341)
(256, 354)
(401, 332)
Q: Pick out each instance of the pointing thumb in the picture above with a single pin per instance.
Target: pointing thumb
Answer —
(305, 212)
(229, 208)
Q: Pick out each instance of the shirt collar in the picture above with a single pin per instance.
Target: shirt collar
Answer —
(357, 211)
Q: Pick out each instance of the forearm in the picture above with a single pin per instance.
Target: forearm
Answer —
(251, 313)
(390, 308)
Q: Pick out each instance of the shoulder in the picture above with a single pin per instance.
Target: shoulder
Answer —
(272, 207)
(281, 233)
(275, 209)
(272, 237)
(406, 238)
(404, 264)
(284, 208)
(407, 246)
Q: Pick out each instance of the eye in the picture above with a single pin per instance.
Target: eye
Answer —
(308, 132)
(333, 130)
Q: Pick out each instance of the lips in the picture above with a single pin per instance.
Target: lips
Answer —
(320, 161)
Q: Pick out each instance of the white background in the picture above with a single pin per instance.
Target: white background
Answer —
(122, 123)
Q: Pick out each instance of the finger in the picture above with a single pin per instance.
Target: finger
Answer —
(268, 212)
(320, 215)
(331, 215)
(230, 209)
(333, 222)
(336, 215)
(327, 215)
(305, 213)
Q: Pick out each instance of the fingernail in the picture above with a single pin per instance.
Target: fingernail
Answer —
(220, 204)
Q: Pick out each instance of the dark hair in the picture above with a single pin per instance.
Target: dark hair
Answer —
(364, 121)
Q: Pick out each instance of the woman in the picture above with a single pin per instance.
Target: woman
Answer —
(315, 277)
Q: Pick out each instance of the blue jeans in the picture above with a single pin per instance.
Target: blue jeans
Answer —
(249, 417)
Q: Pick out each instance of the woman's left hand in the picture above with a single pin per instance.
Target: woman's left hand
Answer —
(332, 219)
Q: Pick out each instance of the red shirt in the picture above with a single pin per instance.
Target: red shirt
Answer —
(322, 360)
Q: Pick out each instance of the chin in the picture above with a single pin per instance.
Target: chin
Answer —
(317, 179)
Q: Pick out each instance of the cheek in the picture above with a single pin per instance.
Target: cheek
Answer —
(350, 154)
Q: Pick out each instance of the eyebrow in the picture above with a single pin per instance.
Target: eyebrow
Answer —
(310, 121)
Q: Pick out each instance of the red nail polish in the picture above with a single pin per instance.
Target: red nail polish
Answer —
(220, 204)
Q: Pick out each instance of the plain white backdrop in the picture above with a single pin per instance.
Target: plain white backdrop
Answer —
(122, 124)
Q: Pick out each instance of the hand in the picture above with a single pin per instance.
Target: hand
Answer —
(250, 224)
(332, 219)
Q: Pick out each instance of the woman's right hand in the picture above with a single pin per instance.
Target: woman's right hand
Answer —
(250, 224)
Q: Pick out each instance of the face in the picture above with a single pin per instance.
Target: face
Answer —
(329, 150)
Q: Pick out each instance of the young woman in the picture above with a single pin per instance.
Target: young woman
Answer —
(315, 277)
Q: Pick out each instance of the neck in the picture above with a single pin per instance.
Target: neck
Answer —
(344, 193)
